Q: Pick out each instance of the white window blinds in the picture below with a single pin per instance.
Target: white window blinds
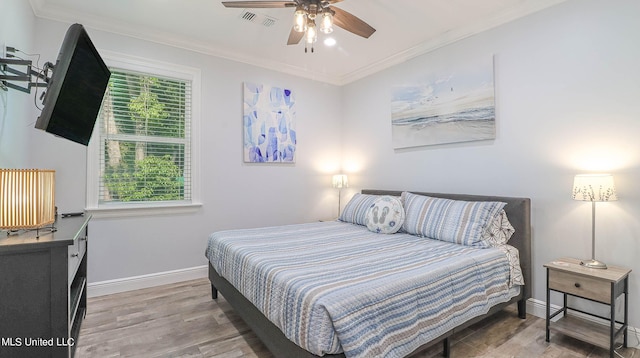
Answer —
(144, 131)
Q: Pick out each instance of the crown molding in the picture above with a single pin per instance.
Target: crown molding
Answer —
(450, 37)
(43, 10)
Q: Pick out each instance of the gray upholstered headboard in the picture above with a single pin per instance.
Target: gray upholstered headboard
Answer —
(519, 213)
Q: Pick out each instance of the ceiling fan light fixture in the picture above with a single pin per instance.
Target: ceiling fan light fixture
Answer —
(300, 20)
(313, 11)
(311, 36)
(304, 24)
(326, 22)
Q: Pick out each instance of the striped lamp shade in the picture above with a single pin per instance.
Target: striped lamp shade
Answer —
(27, 198)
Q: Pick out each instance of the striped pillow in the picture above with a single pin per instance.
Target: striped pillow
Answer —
(457, 221)
(355, 211)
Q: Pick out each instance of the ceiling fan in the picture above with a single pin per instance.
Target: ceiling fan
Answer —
(305, 15)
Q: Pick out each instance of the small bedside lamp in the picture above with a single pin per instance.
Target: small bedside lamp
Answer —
(27, 198)
(594, 188)
(340, 181)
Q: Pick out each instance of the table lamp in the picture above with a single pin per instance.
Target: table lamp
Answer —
(594, 188)
(27, 198)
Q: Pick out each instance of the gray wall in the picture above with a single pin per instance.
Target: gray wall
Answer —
(17, 113)
(567, 90)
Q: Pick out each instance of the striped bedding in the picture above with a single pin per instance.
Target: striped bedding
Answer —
(335, 287)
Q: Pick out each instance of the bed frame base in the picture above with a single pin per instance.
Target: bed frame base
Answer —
(522, 308)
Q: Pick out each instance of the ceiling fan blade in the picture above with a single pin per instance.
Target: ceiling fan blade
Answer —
(295, 37)
(351, 23)
(259, 4)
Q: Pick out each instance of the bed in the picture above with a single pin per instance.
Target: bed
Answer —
(331, 315)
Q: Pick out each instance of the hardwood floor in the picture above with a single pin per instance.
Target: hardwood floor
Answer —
(181, 320)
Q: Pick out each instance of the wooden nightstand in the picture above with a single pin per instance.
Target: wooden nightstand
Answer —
(568, 277)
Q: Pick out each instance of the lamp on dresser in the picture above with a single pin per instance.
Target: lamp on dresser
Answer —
(594, 188)
(27, 199)
(340, 181)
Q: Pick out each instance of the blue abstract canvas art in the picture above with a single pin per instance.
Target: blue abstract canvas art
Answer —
(447, 106)
(269, 124)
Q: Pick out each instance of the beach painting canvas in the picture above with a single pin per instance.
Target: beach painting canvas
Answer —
(447, 107)
(269, 124)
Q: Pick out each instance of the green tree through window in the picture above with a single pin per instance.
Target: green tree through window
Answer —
(144, 135)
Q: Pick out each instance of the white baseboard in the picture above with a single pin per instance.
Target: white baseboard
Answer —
(145, 281)
(539, 309)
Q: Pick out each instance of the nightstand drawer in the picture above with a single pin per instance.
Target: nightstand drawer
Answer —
(578, 285)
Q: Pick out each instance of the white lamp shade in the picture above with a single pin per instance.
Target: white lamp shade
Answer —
(594, 187)
(27, 198)
(340, 181)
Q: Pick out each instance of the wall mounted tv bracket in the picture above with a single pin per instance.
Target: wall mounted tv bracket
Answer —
(9, 74)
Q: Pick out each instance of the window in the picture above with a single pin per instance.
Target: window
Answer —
(142, 151)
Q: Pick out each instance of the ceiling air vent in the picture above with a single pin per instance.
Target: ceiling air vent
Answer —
(260, 19)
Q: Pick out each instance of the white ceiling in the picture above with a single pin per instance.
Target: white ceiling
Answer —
(405, 29)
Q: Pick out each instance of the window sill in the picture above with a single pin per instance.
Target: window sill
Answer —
(143, 210)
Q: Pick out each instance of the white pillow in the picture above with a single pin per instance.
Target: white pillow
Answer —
(385, 215)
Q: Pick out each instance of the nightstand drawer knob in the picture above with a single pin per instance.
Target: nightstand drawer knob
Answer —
(577, 285)
(75, 255)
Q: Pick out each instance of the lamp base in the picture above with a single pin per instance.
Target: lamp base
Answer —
(594, 264)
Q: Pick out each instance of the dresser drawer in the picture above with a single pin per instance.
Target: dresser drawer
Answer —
(578, 285)
(76, 253)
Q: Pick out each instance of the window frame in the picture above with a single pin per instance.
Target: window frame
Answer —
(115, 209)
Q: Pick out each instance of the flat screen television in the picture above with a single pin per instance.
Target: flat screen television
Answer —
(75, 90)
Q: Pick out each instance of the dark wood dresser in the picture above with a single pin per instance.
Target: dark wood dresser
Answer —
(43, 290)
